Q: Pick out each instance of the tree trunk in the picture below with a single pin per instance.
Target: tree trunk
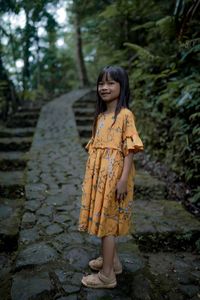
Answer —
(26, 71)
(8, 97)
(79, 54)
(37, 80)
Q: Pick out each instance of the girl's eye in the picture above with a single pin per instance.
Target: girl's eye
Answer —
(107, 82)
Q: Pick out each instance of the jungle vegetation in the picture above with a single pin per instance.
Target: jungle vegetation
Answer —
(158, 42)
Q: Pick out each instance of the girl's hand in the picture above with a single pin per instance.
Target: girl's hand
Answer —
(121, 189)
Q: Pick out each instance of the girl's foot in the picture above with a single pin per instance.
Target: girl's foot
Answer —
(99, 281)
(97, 264)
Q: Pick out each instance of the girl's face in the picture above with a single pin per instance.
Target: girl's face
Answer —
(108, 89)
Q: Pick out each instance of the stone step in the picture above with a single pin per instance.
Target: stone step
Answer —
(26, 115)
(16, 191)
(90, 97)
(164, 224)
(84, 121)
(148, 187)
(85, 131)
(15, 143)
(10, 218)
(81, 104)
(29, 109)
(84, 141)
(16, 132)
(12, 165)
(84, 112)
(87, 100)
(175, 273)
(12, 184)
(83, 118)
(13, 160)
(9, 178)
(14, 155)
(21, 123)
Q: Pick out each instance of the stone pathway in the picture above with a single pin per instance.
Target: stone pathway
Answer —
(15, 140)
(159, 258)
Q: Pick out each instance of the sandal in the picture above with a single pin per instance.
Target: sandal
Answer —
(99, 281)
(96, 264)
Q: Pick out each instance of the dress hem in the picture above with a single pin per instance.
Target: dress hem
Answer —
(101, 236)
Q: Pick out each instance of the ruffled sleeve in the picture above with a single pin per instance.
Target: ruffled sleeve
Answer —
(89, 145)
(130, 137)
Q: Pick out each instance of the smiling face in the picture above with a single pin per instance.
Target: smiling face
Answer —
(108, 89)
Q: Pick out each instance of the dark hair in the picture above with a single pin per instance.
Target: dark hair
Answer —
(120, 75)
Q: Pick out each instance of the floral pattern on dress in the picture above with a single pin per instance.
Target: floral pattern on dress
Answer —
(101, 213)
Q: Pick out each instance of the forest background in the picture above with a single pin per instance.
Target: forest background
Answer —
(158, 42)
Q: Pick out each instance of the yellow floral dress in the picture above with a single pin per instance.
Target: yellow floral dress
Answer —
(101, 213)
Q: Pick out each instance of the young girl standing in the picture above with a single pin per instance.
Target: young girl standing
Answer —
(107, 190)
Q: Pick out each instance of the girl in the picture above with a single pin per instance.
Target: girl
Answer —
(107, 190)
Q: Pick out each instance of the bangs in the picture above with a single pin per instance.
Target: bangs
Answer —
(109, 72)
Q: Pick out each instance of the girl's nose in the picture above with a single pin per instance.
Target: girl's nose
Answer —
(104, 86)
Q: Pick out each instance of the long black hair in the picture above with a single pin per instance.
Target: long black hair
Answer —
(120, 75)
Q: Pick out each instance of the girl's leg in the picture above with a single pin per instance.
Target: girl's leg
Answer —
(116, 257)
(108, 251)
(116, 261)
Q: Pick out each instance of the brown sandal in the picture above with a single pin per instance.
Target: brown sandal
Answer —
(96, 264)
(99, 281)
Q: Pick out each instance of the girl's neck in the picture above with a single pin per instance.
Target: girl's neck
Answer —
(111, 106)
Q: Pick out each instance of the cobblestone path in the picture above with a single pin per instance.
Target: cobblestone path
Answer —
(160, 258)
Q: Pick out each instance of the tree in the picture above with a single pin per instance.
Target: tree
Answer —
(76, 19)
(9, 100)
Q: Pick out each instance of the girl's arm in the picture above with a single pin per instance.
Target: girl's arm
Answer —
(122, 183)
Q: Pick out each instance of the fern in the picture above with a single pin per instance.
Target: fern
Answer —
(147, 25)
(194, 49)
(166, 26)
(196, 196)
(195, 116)
(142, 52)
(110, 11)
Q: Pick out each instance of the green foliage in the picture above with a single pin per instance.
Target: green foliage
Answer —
(147, 25)
(198, 245)
(192, 50)
(47, 67)
(169, 118)
(166, 26)
(143, 53)
(196, 196)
